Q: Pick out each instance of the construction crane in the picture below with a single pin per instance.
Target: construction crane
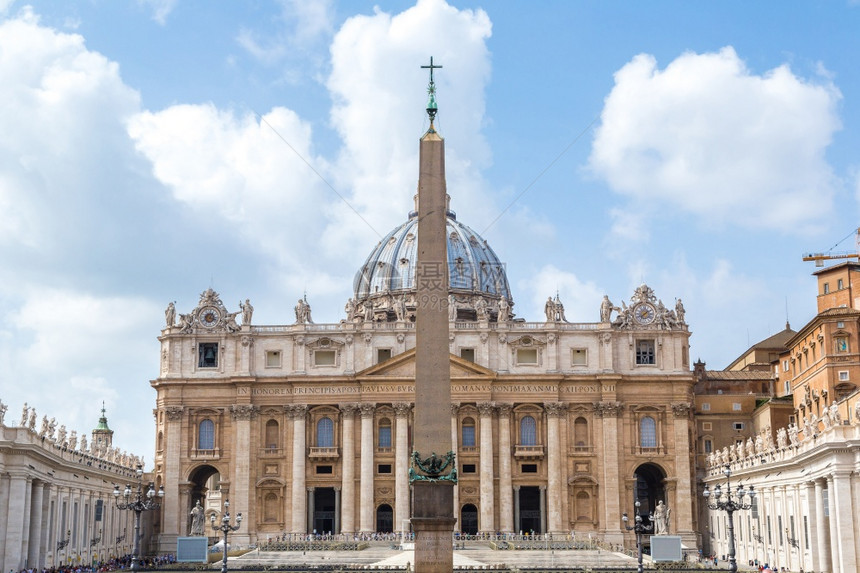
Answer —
(819, 258)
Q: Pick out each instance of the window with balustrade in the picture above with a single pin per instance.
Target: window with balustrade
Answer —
(206, 435)
(648, 432)
(325, 433)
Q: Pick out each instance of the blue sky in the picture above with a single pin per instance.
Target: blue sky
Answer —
(698, 147)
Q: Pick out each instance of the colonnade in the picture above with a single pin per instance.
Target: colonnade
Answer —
(802, 525)
(504, 492)
(46, 524)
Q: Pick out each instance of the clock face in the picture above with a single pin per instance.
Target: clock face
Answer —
(209, 317)
(644, 313)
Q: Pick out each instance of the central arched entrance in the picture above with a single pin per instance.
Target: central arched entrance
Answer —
(384, 519)
(650, 488)
(469, 519)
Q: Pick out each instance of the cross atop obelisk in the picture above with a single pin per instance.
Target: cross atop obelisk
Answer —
(433, 468)
(432, 108)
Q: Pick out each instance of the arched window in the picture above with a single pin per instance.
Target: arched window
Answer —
(528, 431)
(583, 506)
(160, 441)
(206, 435)
(384, 433)
(468, 437)
(325, 433)
(648, 432)
(580, 433)
(272, 434)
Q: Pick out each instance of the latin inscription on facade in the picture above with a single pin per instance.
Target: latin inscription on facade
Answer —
(409, 388)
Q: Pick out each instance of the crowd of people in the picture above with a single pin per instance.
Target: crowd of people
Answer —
(116, 564)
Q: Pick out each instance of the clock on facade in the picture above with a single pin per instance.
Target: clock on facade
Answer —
(644, 313)
(209, 316)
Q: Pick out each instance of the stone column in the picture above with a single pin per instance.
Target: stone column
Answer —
(173, 512)
(366, 508)
(337, 510)
(682, 515)
(401, 465)
(13, 558)
(821, 528)
(835, 562)
(487, 524)
(34, 556)
(299, 524)
(517, 509)
(310, 506)
(455, 441)
(506, 490)
(844, 531)
(609, 412)
(240, 486)
(554, 411)
(812, 517)
(45, 533)
(347, 511)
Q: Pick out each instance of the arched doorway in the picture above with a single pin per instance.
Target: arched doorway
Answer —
(469, 519)
(650, 488)
(206, 489)
(384, 519)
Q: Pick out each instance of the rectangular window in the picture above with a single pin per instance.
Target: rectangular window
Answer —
(738, 426)
(468, 436)
(383, 469)
(736, 406)
(826, 288)
(273, 359)
(707, 426)
(324, 357)
(840, 324)
(805, 532)
(709, 446)
(645, 352)
(578, 356)
(779, 527)
(207, 353)
(787, 387)
(825, 501)
(706, 407)
(529, 468)
(769, 538)
(385, 436)
(843, 375)
(527, 356)
(325, 470)
(382, 354)
(469, 469)
(785, 365)
(467, 354)
(839, 284)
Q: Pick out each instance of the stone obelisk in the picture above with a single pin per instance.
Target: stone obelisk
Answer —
(432, 469)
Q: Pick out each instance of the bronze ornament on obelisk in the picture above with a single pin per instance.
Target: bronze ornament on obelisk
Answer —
(433, 467)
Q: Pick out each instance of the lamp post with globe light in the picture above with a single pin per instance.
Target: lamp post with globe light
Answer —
(226, 528)
(639, 527)
(729, 502)
(138, 502)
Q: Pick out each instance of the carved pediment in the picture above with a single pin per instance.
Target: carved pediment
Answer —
(403, 366)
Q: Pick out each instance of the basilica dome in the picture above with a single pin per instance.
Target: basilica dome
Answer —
(474, 273)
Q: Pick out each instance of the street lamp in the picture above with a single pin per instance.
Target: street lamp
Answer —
(138, 502)
(639, 528)
(225, 528)
(730, 505)
(62, 543)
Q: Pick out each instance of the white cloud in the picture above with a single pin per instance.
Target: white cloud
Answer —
(161, 9)
(379, 91)
(581, 299)
(708, 136)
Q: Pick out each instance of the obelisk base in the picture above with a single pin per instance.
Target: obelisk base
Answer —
(434, 543)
